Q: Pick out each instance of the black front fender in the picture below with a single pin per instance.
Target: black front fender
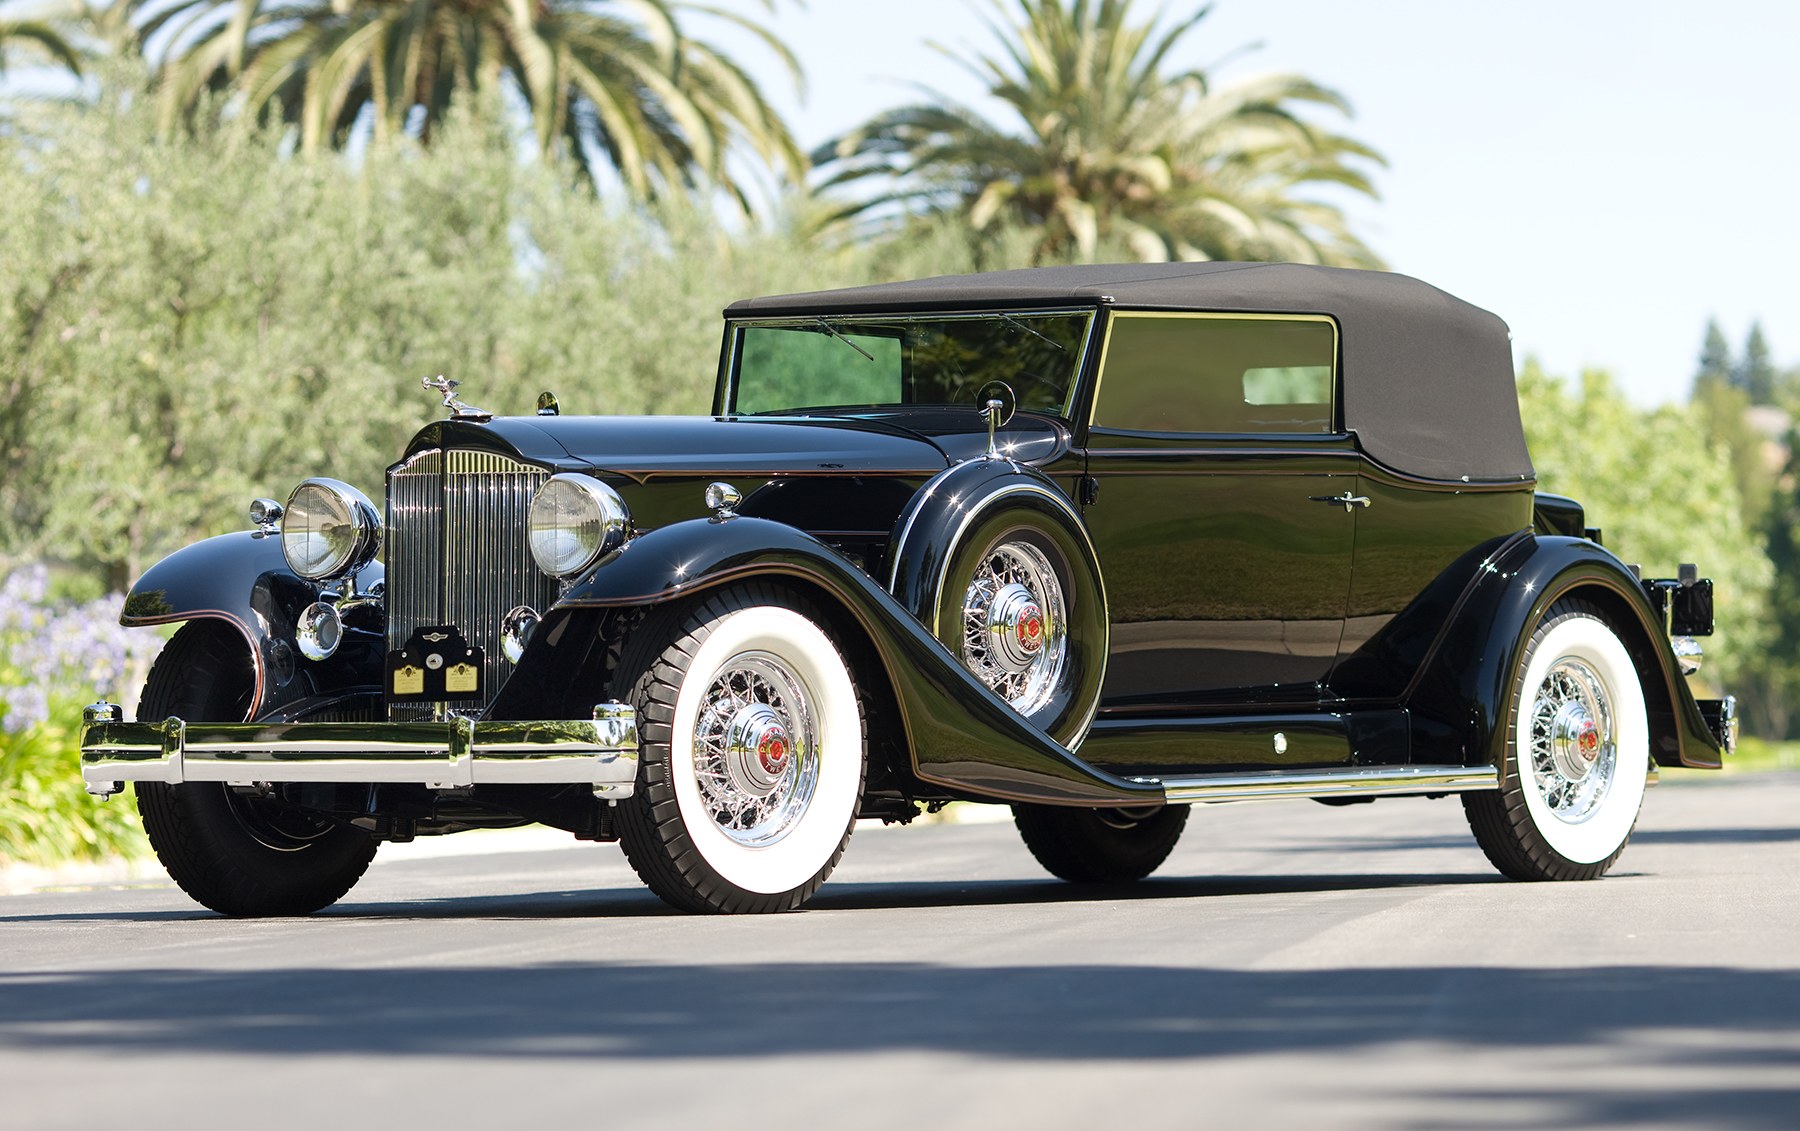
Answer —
(243, 580)
(1466, 683)
(960, 734)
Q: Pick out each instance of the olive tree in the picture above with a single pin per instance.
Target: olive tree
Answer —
(1661, 493)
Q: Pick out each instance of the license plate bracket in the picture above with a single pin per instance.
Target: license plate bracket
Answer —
(437, 665)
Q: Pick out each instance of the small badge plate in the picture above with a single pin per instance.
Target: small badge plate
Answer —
(436, 665)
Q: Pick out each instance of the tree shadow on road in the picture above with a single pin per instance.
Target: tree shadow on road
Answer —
(1074, 1011)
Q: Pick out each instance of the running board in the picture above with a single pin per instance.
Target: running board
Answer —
(1354, 781)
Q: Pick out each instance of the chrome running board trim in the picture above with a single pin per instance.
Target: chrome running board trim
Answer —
(601, 752)
(1348, 782)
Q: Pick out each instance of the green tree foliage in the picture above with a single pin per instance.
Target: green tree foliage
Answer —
(1755, 371)
(1110, 149)
(621, 79)
(1661, 492)
(1722, 409)
(185, 325)
(1776, 679)
(1716, 364)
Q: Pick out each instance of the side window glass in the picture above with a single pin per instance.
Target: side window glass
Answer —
(1207, 373)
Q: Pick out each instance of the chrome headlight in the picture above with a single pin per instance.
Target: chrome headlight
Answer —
(574, 520)
(330, 529)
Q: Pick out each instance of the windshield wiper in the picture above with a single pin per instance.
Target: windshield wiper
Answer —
(833, 331)
(1018, 325)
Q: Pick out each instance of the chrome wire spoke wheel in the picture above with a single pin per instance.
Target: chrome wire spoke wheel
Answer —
(1014, 635)
(1580, 745)
(1574, 750)
(751, 752)
(1577, 758)
(755, 749)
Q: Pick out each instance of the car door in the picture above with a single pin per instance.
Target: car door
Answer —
(1221, 509)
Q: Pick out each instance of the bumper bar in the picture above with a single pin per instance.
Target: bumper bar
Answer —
(1721, 718)
(601, 752)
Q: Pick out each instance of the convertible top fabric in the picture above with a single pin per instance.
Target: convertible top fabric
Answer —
(1428, 382)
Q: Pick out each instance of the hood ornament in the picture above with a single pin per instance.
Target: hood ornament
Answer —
(458, 410)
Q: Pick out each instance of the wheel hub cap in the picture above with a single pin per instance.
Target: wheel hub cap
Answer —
(1574, 741)
(1012, 625)
(1015, 624)
(756, 749)
(1573, 758)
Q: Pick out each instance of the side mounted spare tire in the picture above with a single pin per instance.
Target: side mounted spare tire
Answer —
(997, 563)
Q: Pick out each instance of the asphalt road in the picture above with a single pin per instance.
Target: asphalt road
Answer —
(1292, 965)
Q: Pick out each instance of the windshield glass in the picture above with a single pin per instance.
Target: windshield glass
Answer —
(800, 365)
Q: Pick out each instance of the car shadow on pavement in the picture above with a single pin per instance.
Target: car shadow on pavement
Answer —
(903, 894)
(637, 902)
(1778, 835)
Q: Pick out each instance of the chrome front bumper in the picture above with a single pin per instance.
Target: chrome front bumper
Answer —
(601, 752)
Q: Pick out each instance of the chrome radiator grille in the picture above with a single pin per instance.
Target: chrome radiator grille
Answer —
(457, 553)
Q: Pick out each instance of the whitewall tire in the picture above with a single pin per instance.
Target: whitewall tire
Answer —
(1577, 754)
(753, 753)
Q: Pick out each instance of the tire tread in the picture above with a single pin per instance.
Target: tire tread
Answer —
(1077, 846)
(1502, 824)
(651, 831)
(201, 675)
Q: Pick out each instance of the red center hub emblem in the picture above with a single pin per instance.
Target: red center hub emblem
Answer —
(1589, 741)
(1031, 632)
(772, 752)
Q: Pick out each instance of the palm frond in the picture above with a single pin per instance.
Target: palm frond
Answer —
(618, 79)
(1109, 147)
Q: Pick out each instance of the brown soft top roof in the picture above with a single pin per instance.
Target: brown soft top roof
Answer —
(1428, 381)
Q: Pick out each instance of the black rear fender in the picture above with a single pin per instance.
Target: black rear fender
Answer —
(1463, 690)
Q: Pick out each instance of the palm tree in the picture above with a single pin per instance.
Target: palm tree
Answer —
(1107, 148)
(42, 34)
(614, 79)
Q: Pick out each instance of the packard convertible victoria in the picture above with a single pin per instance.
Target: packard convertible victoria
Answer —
(1098, 543)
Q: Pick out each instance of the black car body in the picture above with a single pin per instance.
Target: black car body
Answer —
(1098, 542)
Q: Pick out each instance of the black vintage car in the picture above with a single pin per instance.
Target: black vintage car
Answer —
(1095, 542)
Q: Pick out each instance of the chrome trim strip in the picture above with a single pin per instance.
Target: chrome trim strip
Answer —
(601, 751)
(1347, 782)
(1203, 445)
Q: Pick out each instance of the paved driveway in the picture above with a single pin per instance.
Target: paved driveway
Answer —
(1292, 965)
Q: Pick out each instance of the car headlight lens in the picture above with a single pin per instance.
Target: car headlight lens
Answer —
(330, 529)
(574, 520)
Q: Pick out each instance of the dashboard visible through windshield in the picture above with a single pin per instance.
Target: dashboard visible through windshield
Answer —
(796, 366)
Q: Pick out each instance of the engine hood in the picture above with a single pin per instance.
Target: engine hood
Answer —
(647, 447)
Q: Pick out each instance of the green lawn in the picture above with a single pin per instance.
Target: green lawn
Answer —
(1760, 754)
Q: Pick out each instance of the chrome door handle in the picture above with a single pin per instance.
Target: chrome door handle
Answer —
(1345, 500)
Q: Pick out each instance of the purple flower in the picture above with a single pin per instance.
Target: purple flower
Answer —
(61, 650)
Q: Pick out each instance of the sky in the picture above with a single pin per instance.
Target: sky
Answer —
(1603, 175)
